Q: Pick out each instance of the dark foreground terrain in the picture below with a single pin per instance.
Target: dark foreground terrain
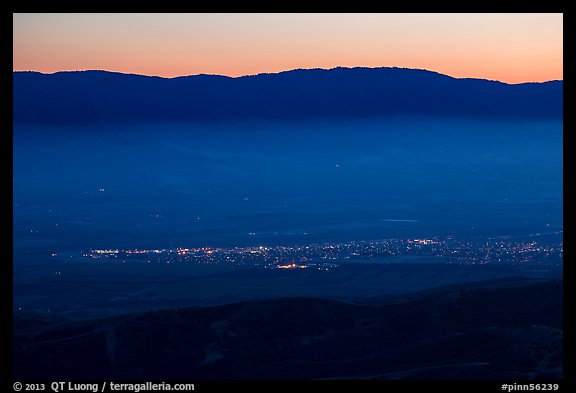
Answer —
(500, 329)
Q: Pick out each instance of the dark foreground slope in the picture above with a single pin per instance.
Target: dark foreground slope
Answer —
(507, 331)
(99, 97)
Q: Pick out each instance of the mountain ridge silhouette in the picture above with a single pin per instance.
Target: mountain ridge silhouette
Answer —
(103, 97)
(502, 329)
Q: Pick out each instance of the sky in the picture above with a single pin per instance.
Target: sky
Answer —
(512, 48)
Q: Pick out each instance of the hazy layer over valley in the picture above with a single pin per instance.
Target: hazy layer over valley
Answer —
(262, 182)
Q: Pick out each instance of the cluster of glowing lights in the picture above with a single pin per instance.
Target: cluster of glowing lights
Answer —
(292, 266)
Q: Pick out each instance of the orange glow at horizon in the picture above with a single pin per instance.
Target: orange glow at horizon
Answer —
(511, 48)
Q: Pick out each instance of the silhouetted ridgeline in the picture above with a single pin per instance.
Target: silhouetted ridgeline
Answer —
(497, 330)
(99, 97)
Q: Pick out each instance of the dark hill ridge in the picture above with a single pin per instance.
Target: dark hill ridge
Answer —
(506, 332)
(100, 97)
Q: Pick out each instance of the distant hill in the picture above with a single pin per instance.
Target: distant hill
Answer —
(100, 97)
(499, 331)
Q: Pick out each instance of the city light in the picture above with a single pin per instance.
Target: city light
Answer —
(447, 250)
